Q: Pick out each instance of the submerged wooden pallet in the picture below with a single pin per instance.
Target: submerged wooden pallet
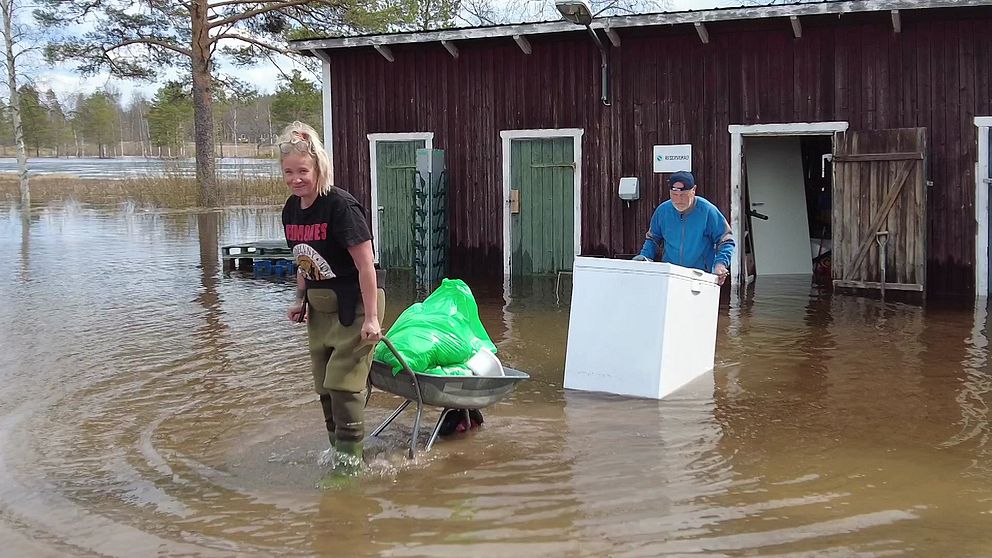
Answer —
(244, 256)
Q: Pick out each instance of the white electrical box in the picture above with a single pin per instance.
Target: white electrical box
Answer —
(639, 328)
(630, 188)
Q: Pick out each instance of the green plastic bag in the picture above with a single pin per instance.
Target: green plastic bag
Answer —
(451, 370)
(442, 331)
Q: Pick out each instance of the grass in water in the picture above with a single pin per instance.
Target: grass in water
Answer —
(167, 192)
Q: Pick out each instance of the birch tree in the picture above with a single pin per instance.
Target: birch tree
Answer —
(13, 39)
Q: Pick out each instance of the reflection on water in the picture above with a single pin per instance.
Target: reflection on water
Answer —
(151, 404)
(975, 396)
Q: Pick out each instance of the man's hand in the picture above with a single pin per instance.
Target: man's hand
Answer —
(640, 258)
(721, 273)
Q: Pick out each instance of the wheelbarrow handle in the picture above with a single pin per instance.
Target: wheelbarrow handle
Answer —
(399, 357)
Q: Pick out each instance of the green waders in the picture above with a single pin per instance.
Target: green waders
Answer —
(340, 365)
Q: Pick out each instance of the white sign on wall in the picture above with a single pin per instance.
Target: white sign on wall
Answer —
(672, 158)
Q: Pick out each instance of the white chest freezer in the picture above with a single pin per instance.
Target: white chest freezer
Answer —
(639, 328)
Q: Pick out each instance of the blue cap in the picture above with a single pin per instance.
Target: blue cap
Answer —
(682, 180)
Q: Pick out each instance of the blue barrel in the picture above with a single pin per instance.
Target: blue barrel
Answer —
(263, 267)
(283, 267)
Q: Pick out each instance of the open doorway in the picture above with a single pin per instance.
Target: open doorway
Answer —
(788, 188)
(781, 199)
(878, 216)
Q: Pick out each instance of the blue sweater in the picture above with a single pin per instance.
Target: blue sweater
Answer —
(699, 238)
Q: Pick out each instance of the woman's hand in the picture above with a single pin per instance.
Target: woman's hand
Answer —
(362, 255)
(296, 312)
(371, 331)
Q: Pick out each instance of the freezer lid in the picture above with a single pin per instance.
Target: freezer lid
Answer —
(631, 266)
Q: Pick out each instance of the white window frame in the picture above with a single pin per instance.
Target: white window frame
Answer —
(737, 134)
(508, 136)
(427, 137)
(983, 123)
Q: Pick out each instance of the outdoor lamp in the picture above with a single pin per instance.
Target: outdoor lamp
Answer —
(580, 13)
(576, 11)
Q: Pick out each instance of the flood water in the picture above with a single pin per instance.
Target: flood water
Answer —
(151, 404)
(140, 167)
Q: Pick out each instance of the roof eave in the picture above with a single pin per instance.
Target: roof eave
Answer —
(618, 22)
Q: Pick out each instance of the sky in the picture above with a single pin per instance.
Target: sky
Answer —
(264, 77)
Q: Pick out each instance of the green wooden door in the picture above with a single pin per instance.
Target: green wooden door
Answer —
(396, 165)
(542, 220)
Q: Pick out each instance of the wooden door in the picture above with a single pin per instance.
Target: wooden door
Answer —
(396, 166)
(542, 233)
(879, 207)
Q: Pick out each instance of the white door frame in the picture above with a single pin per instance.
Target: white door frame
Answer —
(325, 68)
(427, 137)
(983, 123)
(508, 136)
(737, 134)
(328, 121)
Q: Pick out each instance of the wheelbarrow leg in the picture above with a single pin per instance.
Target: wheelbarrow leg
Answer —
(437, 429)
(416, 428)
(389, 419)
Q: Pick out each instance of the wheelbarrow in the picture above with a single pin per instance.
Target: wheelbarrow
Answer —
(450, 393)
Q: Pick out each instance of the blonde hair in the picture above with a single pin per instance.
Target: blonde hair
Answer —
(303, 138)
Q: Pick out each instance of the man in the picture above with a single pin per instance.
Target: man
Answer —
(689, 231)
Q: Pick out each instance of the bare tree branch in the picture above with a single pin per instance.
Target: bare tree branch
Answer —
(256, 42)
(29, 50)
(275, 64)
(149, 42)
(485, 12)
(218, 5)
(256, 12)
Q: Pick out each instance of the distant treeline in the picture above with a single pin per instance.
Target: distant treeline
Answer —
(101, 125)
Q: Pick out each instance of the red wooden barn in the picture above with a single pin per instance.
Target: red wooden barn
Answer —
(850, 131)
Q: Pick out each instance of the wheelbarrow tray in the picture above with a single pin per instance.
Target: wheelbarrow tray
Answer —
(449, 392)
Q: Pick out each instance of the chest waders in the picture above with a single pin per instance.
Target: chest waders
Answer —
(340, 364)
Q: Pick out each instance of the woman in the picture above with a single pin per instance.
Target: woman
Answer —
(336, 289)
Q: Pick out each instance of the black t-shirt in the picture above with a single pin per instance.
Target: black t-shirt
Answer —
(321, 234)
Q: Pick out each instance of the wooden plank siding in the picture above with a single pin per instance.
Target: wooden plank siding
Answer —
(668, 87)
